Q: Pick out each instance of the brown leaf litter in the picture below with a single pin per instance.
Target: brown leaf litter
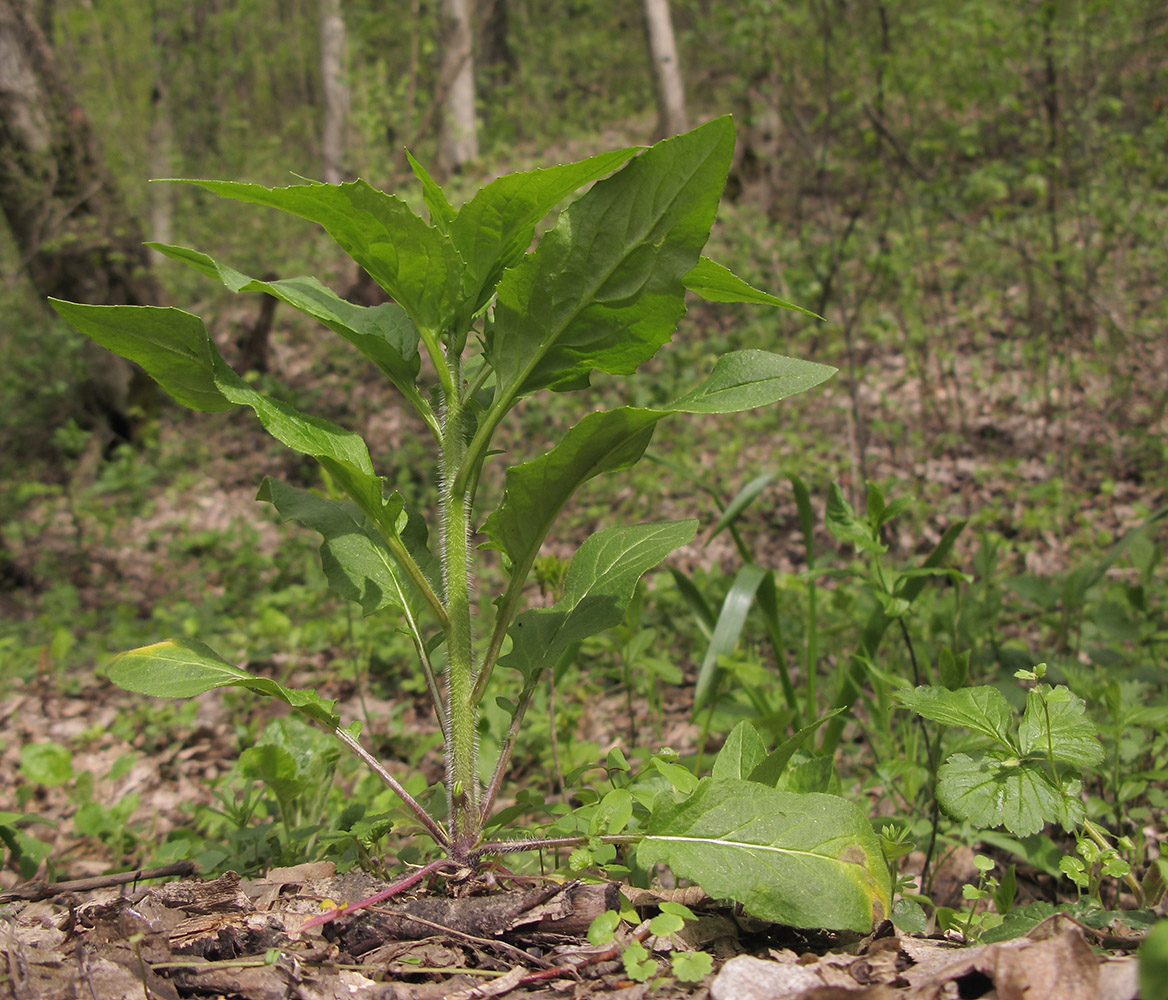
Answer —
(234, 939)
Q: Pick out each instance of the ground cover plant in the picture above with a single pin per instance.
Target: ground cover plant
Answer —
(602, 291)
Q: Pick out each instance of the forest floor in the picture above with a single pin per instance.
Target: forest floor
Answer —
(974, 442)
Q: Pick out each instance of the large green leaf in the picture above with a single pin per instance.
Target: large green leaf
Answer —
(383, 333)
(716, 283)
(536, 491)
(176, 351)
(172, 346)
(183, 668)
(495, 228)
(611, 440)
(604, 289)
(995, 789)
(1056, 723)
(414, 262)
(354, 557)
(806, 860)
(597, 591)
(982, 709)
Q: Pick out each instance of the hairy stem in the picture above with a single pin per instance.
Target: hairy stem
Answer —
(461, 713)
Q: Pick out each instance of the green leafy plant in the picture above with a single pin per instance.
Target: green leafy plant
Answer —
(1030, 772)
(686, 964)
(602, 291)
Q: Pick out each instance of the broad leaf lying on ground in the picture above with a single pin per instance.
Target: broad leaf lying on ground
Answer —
(803, 860)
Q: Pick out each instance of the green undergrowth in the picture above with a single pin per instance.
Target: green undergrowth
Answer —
(1100, 628)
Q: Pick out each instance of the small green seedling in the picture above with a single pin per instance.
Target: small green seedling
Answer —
(497, 323)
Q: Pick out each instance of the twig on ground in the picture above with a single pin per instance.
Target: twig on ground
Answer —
(32, 891)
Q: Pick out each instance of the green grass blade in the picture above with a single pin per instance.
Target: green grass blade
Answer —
(727, 630)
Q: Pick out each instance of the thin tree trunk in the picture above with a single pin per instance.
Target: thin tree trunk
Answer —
(458, 142)
(76, 238)
(336, 91)
(671, 117)
(161, 157)
(495, 52)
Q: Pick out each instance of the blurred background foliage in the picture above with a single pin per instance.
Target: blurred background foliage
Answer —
(974, 196)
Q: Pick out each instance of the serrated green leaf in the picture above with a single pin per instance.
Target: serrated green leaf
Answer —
(383, 333)
(717, 283)
(441, 211)
(493, 230)
(183, 668)
(983, 709)
(414, 262)
(742, 752)
(801, 860)
(598, 588)
(1070, 737)
(994, 789)
(602, 294)
(536, 491)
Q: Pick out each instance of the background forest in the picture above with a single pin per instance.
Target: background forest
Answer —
(973, 196)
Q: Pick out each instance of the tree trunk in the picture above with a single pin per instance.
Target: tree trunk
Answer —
(161, 157)
(495, 51)
(75, 236)
(457, 137)
(336, 91)
(165, 37)
(666, 69)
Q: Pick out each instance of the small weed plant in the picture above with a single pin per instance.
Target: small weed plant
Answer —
(496, 323)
